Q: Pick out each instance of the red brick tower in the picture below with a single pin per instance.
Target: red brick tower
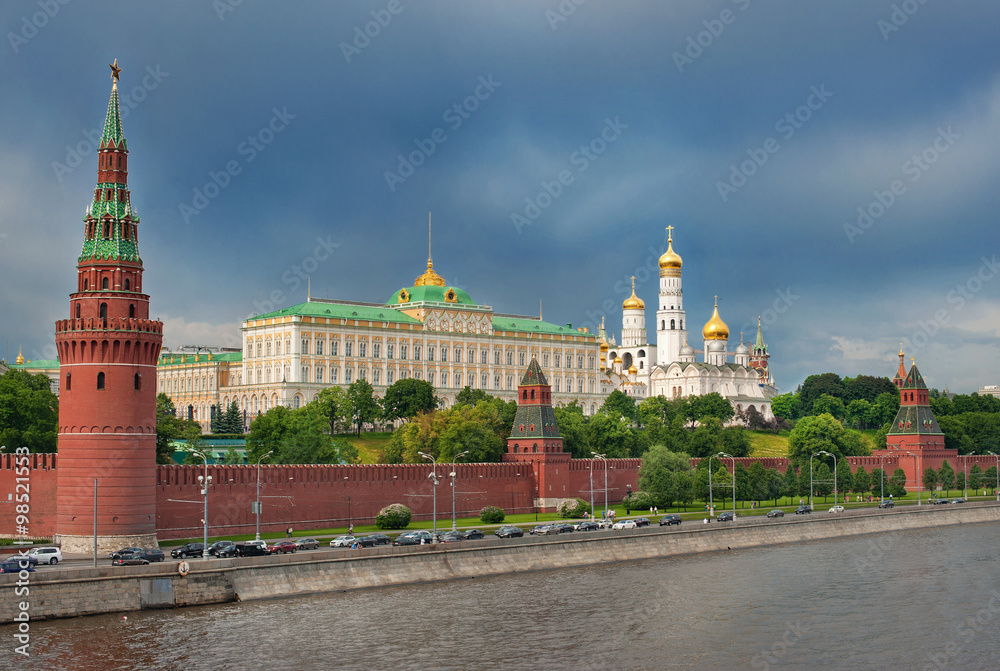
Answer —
(107, 354)
(901, 371)
(535, 439)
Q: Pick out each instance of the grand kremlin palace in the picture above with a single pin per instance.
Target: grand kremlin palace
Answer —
(429, 331)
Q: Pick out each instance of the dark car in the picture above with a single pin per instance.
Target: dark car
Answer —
(185, 551)
(310, 543)
(587, 525)
(642, 521)
(214, 548)
(406, 540)
(725, 517)
(452, 537)
(473, 534)
(115, 555)
(248, 549)
(886, 504)
(284, 547)
(940, 502)
(509, 532)
(958, 500)
(152, 554)
(563, 527)
(544, 530)
(668, 520)
(130, 559)
(803, 510)
(776, 513)
(381, 539)
(17, 565)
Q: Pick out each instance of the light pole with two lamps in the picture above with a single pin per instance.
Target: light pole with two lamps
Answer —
(261, 458)
(605, 460)
(997, 490)
(205, 481)
(454, 474)
(434, 478)
(711, 502)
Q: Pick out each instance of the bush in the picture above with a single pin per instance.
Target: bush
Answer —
(572, 508)
(393, 516)
(492, 515)
(639, 501)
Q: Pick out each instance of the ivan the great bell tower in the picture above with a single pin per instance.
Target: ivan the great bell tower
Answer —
(108, 350)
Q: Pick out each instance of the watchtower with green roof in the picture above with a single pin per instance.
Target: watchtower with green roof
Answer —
(914, 427)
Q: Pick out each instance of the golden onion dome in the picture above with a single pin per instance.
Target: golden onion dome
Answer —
(604, 346)
(618, 359)
(715, 328)
(429, 278)
(633, 302)
(632, 370)
(670, 260)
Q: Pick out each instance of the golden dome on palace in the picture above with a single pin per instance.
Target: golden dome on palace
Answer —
(633, 302)
(671, 260)
(429, 278)
(618, 359)
(604, 346)
(715, 328)
(632, 370)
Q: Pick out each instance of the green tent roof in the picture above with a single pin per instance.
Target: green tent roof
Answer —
(432, 294)
(341, 311)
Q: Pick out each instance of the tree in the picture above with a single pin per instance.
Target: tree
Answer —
(364, 407)
(990, 478)
(881, 483)
(822, 480)
(711, 405)
(788, 406)
(845, 480)
(335, 406)
(470, 396)
(296, 437)
(861, 482)
(611, 436)
(618, 405)
(658, 474)
(573, 429)
(406, 397)
(867, 387)
(930, 479)
(757, 477)
(885, 407)
(815, 386)
(233, 420)
(897, 483)
(29, 412)
(975, 478)
(823, 432)
(960, 480)
(791, 482)
(859, 413)
(169, 429)
(946, 476)
(830, 405)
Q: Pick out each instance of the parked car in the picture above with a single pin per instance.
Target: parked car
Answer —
(564, 527)
(130, 559)
(886, 504)
(473, 534)
(776, 513)
(544, 530)
(284, 547)
(958, 500)
(803, 510)
(47, 555)
(669, 520)
(940, 502)
(114, 555)
(307, 544)
(624, 524)
(725, 517)
(405, 539)
(16, 566)
(606, 523)
(837, 509)
(214, 548)
(642, 521)
(185, 551)
(381, 539)
(152, 555)
(452, 537)
(342, 542)
(587, 525)
(248, 549)
(509, 532)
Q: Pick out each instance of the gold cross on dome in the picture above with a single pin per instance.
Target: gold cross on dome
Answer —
(115, 71)
(670, 231)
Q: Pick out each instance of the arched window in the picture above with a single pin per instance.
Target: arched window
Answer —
(104, 310)
(532, 394)
(100, 380)
(86, 284)
(69, 381)
(128, 284)
(137, 381)
(131, 310)
(104, 283)
(673, 325)
(77, 310)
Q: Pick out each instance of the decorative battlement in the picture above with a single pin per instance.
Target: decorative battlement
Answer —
(128, 324)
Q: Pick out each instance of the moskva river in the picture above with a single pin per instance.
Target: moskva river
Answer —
(925, 599)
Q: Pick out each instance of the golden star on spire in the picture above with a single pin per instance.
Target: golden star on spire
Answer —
(115, 71)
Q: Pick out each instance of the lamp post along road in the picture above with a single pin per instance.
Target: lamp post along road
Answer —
(591, 488)
(605, 460)
(434, 479)
(834, 472)
(728, 456)
(205, 481)
(258, 491)
(454, 474)
(997, 490)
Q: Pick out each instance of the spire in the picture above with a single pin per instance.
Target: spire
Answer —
(20, 357)
(759, 343)
(113, 135)
(429, 278)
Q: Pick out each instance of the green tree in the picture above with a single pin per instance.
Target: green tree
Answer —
(867, 387)
(29, 412)
(823, 432)
(233, 420)
(830, 405)
(822, 480)
(930, 479)
(470, 396)
(573, 429)
(815, 386)
(859, 413)
(885, 407)
(618, 405)
(791, 482)
(845, 479)
(946, 476)
(711, 405)
(897, 483)
(960, 480)
(882, 483)
(364, 407)
(861, 482)
(788, 406)
(989, 479)
(758, 482)
(406, 397)
(658, 474)
(975, 478)
(170, 428)
(335, 406)
(611, 436)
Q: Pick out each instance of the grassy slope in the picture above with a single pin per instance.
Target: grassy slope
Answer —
(368, 445)
(767, 444)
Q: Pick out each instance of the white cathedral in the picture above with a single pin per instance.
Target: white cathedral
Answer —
(671, 367)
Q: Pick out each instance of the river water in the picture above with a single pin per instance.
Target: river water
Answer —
(904, 600)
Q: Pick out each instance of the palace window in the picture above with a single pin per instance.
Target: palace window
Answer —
(402, 351)
(319, 347)
(496, 357)
(444, 354)
(430, 352)
(458, 355)
(472, 355)
(267, 348)
(390, 375)
(579, 386)
(593, 386)
(305, 347)
(558, 359)
(545, 360)
(305, 373)
(377, 349)
(349, 348)
(430, 378)
(458, 380)
(483, 382)
(277, 347)
(579, 362)
(444, 377)
(510, 382)
(319, 373)
(496, 381)
(334, 374)
(510, 357)
(288, 346)
(362, 373)
(362, 348)
(416, 352)
(591, 361)
(376, 376)
(484, 356)
(348, 375)
(390, 351)
(520, 358)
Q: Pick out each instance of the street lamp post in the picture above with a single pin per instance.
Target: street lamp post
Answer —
(258, 490)
(729, 456)
(997, 490)
(205, 481)
(834, 472)
(434, 478)
(881, 479)
(591, 488)
(605, 460)
(454, 474)
(965, 462)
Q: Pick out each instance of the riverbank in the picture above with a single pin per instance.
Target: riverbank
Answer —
(73, 592)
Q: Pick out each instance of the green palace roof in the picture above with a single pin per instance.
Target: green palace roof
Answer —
(341, 311)
(431, 294)
(39, 364)
(179, 359)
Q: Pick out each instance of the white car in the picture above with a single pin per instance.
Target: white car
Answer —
(837, 509)
(342, 542)
(47, 555)
(624, 524)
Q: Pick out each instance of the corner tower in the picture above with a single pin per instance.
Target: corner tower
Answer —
(670, 332)
(108, 350)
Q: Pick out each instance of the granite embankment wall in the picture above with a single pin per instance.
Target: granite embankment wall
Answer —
(70, 592)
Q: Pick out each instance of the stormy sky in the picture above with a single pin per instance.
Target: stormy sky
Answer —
(831, 167)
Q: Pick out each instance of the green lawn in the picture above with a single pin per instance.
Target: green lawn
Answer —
(767, 444)
(368, 445)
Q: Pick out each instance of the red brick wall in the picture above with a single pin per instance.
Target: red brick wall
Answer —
(41, 491)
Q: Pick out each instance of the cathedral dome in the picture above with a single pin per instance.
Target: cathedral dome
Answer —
(632, 370)
(715, 328)
(633, 302)
(742, 349)
(671, 261)
(604, 346)
(618, 359)
(687, 350)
